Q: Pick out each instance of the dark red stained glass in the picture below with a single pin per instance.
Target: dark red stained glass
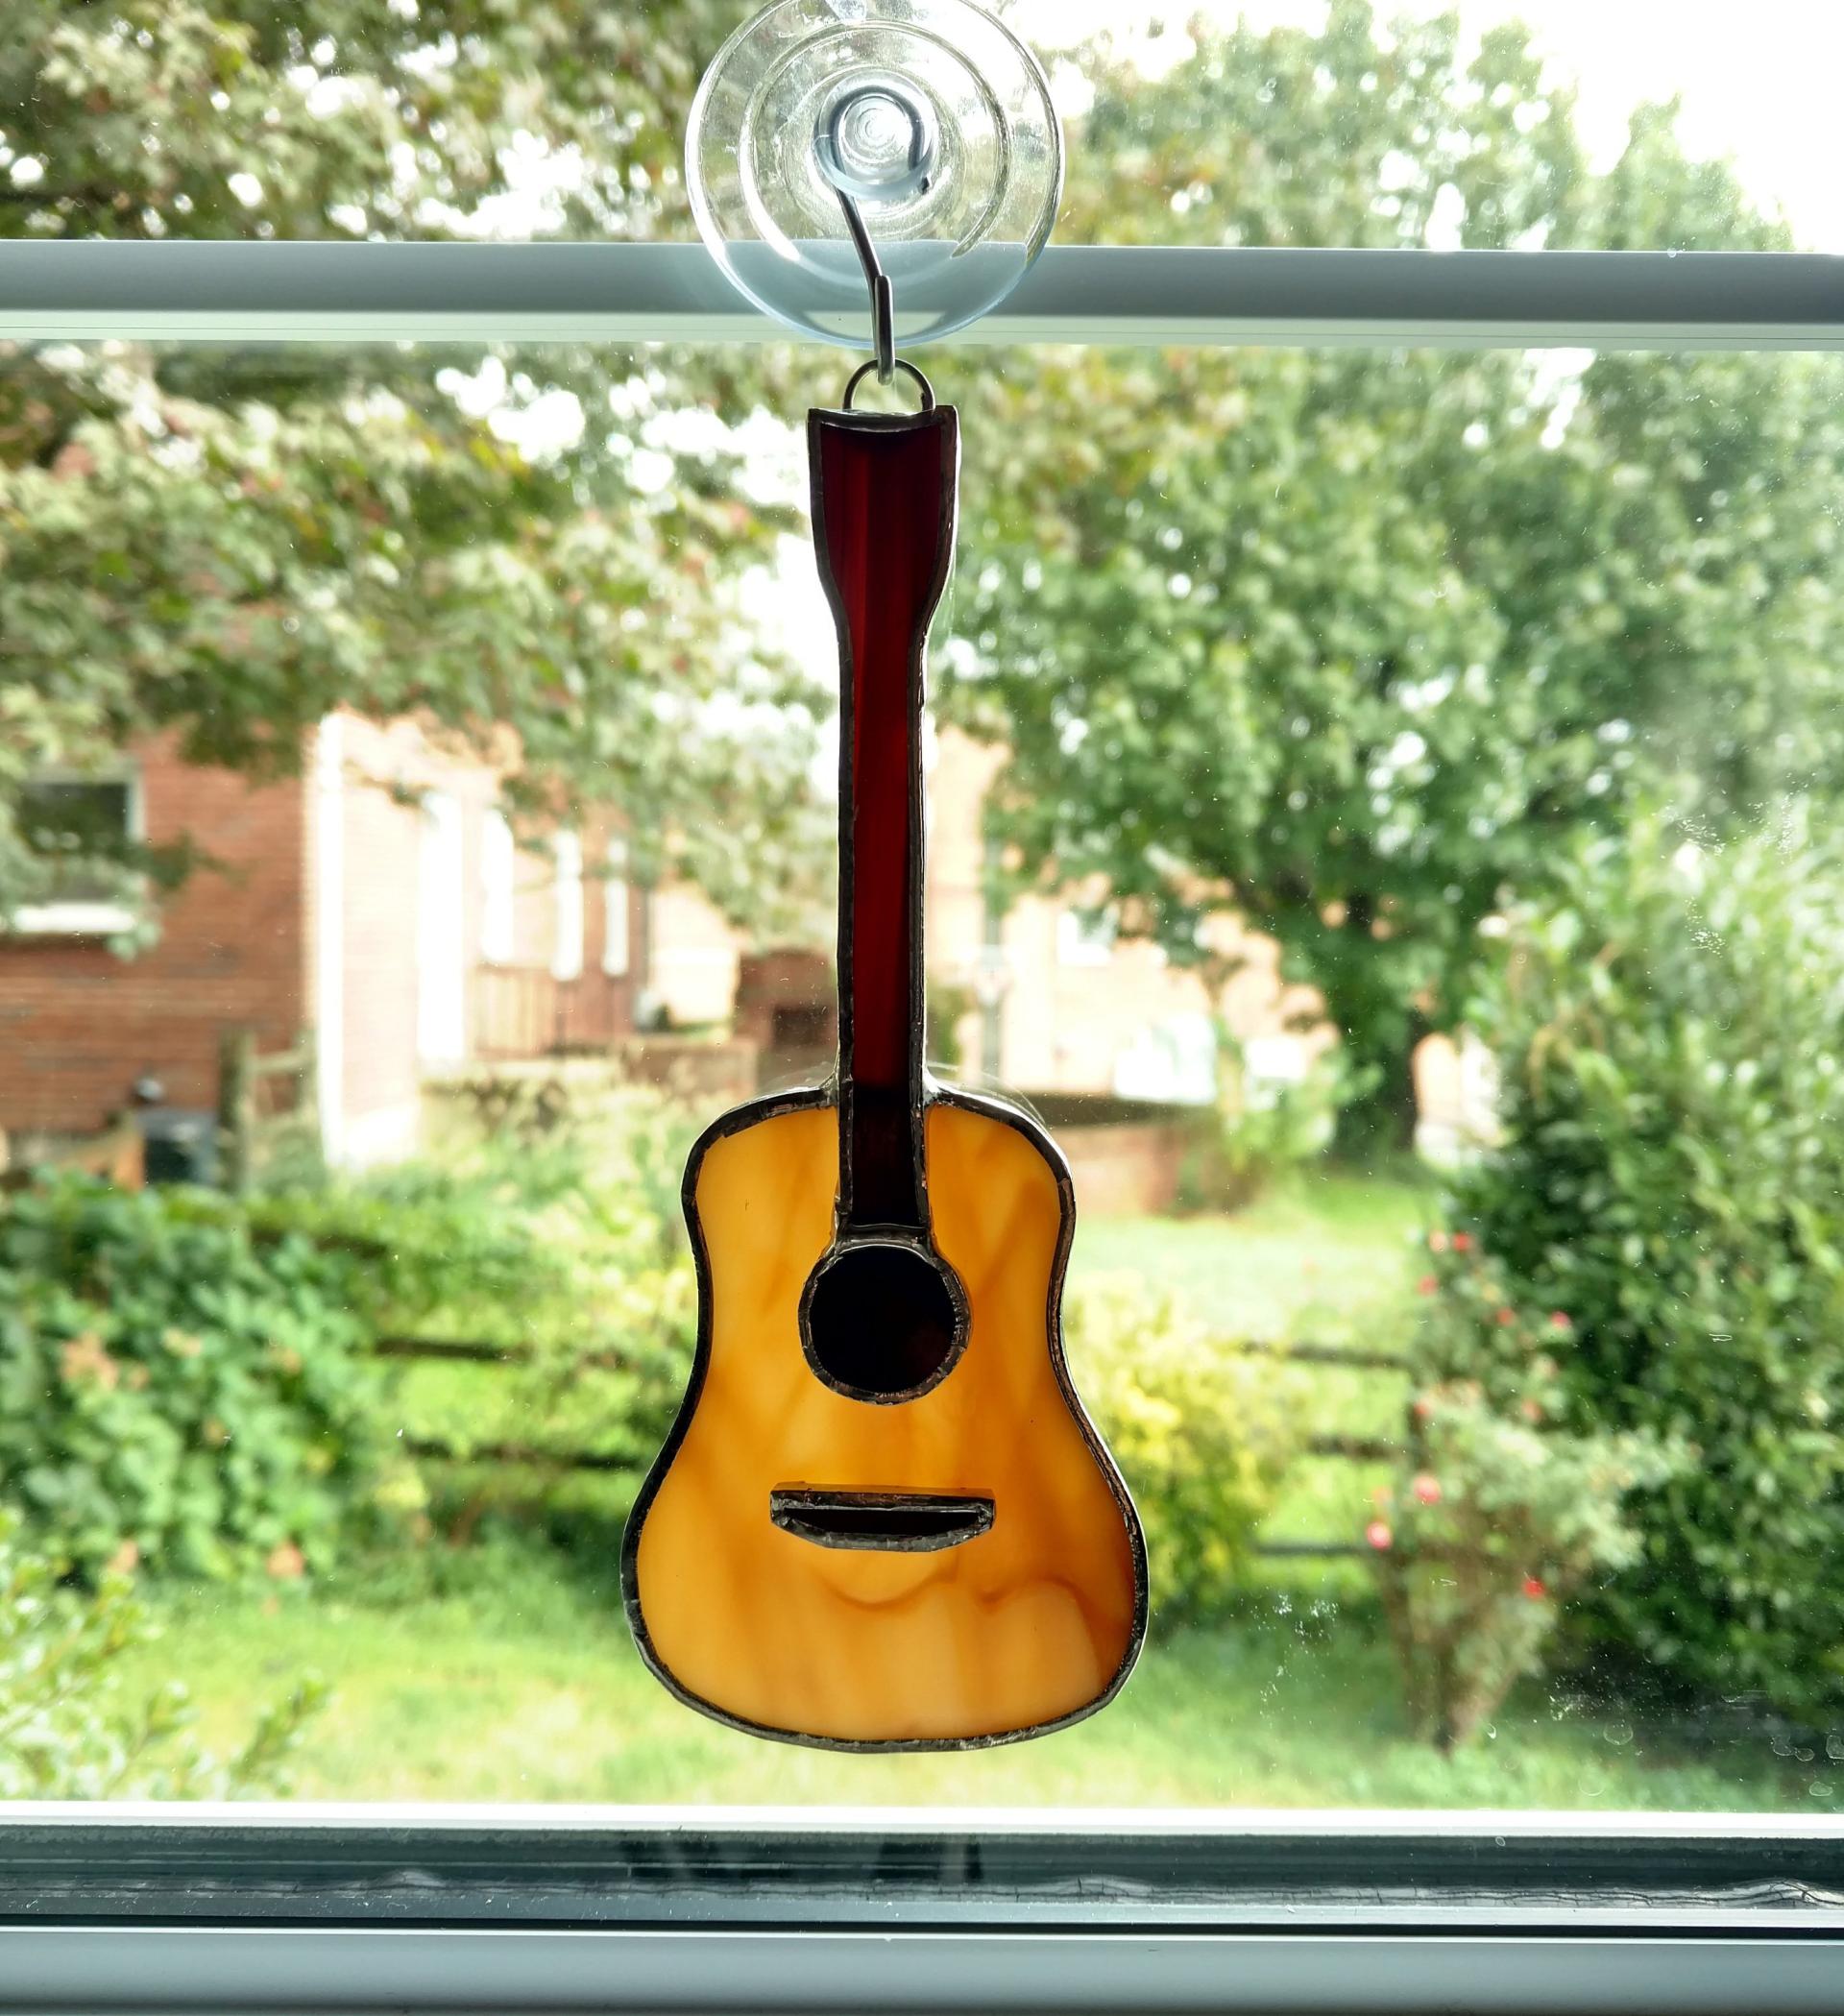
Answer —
(883, 505)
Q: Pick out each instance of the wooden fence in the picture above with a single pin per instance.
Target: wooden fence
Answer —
(118, 1155)
(247, 1125)
(463, 1351)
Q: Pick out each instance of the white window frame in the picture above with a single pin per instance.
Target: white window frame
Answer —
(248, 1908)
(82, 289)
(220, 1909)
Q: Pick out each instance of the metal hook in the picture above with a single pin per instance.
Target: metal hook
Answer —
(882, 295)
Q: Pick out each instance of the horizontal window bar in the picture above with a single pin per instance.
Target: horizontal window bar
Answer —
(253, 1969)
(242, 291)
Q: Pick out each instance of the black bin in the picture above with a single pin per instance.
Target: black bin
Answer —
(181, 1144)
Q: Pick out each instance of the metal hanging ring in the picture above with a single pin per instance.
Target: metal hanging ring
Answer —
(902, 364)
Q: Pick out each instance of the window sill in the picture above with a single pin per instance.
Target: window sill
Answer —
(252, 1908)
(72, 920)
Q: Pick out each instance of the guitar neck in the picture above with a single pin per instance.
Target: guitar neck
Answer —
(884, 509)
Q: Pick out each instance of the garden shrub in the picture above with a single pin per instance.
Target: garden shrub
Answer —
(1499, 1513)
(1672, 1181)
(69, 1728)
(609, 1359)
(556, 1238)
(1203, 1435)
(176, 1392)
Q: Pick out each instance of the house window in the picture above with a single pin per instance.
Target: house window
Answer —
(1084, 937)
(498, 881)
(567, 945)
(79, 827)
(616, 953)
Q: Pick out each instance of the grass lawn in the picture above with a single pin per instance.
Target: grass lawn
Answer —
(1326, 1257)
(504, 1672)
(1322, 1252)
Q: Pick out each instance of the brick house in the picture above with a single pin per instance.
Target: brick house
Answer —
(1058, 1005)
(377, 898)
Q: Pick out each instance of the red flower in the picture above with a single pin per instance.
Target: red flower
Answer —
(1427, 1488)
(1559, 1322)
(1462, 1242)
(1436, 1242)
(1423, 1406)
(1534, 1589)
(1380, 1536)
(1426, 1285)
(1531, 1410)
(1505, 1318)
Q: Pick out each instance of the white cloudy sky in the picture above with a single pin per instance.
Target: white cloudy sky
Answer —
(1760, 82)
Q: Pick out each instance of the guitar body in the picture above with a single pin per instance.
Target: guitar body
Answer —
(1027, 1624)
(882, 1521)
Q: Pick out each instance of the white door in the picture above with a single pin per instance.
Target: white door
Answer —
(441, 935)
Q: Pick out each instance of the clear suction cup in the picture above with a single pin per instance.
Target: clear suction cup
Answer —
(929, 114)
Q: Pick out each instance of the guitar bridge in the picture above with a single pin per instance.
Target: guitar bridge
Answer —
(892, 1521)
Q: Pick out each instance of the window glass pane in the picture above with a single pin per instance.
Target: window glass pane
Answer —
(1262, 121)
(1382, 820)
(78, 815)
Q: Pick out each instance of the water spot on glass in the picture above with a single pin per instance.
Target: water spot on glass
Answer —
(1618, 1731)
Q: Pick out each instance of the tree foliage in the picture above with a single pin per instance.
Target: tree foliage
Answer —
(224, 544)
(1356, 640)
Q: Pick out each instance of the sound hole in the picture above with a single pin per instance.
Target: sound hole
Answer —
(882, 1321)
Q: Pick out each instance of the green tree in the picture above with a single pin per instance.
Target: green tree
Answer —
(1354, 641)
(224, 544)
